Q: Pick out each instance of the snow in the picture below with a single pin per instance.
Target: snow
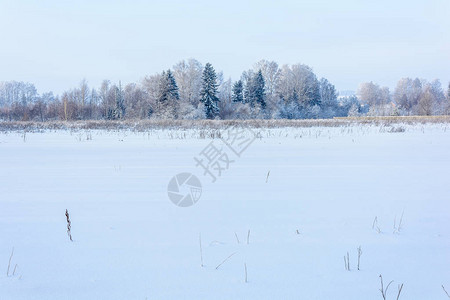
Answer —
(132, 242)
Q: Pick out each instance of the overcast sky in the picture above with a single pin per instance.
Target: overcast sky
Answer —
(56, 43)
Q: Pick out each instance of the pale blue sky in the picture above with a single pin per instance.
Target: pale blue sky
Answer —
(56, 43)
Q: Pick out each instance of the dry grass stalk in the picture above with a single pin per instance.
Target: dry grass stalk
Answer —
(400, 287)
(347, 262)
(69, 226)
(201, 251)
(9, 262)
(359, 255)
(225, 260)
(445, 291)
(245, 267)
(384, 290)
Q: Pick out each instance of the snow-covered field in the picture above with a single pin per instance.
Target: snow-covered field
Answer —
(325, 189)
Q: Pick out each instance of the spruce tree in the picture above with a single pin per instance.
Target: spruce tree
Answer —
(168, 89)
(238, 92)
(208, 93)
(255, 90)
(172, 88)
(259, 89)
(119, 110)
(167, 105)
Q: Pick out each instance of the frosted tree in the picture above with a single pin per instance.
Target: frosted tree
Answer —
(246, 78)
(432, 99)
(271, 74)
(208, 93)
(440, 104)
(188, 75)
(299, 91)
(448, 92)
(10, 96)
(19, 96)
(447, 104)
(255, 93)
(40, 107)
(402, 92)
(111, 98)
(306, 85)
(241, 109)
(369, 93)
(259, 89)
(168, 96)
(83, 98)
(328, 99)
(119, 109)
(53, 106)
(375, 97)
(103, 97)
(150, 86)
(94, 104)
(289, 109)
(425, 105)
(436, 89)
(135, 101)
(168, 87)
(238, 91)
(349, 106)
(407, 94)
(70, 106)
(353, 111)
(301, 80)
(226, 104)
(438, 93)
(420, 97)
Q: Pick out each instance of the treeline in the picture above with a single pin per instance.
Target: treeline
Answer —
(410, 97)
(192, 91)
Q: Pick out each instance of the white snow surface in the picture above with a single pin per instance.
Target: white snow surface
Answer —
(131, 242)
